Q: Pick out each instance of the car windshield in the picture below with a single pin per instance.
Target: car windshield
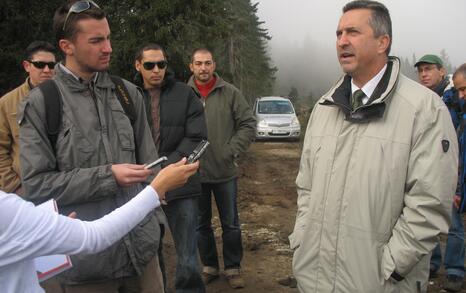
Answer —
(275, 107)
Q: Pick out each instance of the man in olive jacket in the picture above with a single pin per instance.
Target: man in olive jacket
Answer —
(96, 164)
(378, 170)
(231, 129)
(177, 121)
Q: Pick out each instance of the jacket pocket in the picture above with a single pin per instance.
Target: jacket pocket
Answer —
(145, 239)
(227, 156)
(306, 252)
(72, 149)
(101, 265)
(14, 127)
(394, 188)
(123, 126)
(391, 287)
(309, 161)
(304, 183)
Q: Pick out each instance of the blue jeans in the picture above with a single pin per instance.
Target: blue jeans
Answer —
(454, 251)
(225, 198)
(182, 218)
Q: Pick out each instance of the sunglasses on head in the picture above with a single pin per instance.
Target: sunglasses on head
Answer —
(150, 65)
(41, 64)
(79, 7)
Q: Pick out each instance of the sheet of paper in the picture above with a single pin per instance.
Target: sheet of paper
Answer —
(51, 265)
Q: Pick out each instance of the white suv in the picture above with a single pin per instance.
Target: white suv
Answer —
(276, 118)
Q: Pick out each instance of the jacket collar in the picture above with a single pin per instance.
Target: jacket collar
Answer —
(28, 84)
(444, 85)
(340, 95)
(218, 84)
(101, 80)
(168, 81)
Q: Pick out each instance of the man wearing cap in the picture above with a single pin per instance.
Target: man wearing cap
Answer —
(433, 75)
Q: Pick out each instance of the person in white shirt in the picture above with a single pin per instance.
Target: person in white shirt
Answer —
(27, 232)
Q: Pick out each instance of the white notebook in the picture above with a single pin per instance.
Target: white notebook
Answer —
(51, 265)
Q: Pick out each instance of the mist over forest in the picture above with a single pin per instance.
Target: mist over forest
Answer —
(302, 45)
(312, 68)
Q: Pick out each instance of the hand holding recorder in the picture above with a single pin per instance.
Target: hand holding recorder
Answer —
(194, 156)
(198, 151)
(128, 174)
(155, 163)
(173, 176)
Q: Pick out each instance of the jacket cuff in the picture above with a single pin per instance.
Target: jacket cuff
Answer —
(295, 240)
(388, 264)
(396, 277)
(108, 182)
(13, 186)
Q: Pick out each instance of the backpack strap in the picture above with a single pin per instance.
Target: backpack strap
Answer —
(53, 109)
(127, 104)
(124, 98)
(54, 106)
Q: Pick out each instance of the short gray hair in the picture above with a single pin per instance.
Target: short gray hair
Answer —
(380, 21)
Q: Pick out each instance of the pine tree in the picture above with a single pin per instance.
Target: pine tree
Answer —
(230, 28)
(22, 22)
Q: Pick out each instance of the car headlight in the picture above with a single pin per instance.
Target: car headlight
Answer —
(262, 123)
(294, 122)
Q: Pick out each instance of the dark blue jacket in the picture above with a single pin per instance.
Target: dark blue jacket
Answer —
(461, 130)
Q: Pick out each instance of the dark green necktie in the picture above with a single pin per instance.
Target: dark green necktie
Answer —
(356, 99)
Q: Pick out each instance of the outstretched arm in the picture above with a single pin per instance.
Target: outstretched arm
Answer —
(28, 232)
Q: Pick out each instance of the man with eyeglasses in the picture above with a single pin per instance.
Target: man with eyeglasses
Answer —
(176, 118)
(39, 63)
(96, 162)
(231, 129)
(432, 74)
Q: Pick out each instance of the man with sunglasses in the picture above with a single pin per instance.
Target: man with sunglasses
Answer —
(176, 118)
(39, 63)
(96, 162)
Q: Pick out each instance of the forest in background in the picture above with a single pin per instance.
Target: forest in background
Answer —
(230, 28)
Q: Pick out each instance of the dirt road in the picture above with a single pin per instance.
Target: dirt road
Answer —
(267, 207)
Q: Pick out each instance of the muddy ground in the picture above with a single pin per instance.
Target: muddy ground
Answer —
(267, 208)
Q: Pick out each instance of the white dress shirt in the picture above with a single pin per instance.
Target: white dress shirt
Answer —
(369, 88)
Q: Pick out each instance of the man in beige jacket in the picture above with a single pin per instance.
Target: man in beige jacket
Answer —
(39, 63)
(377, 173)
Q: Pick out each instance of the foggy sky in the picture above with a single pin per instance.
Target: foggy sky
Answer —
(303, 36)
